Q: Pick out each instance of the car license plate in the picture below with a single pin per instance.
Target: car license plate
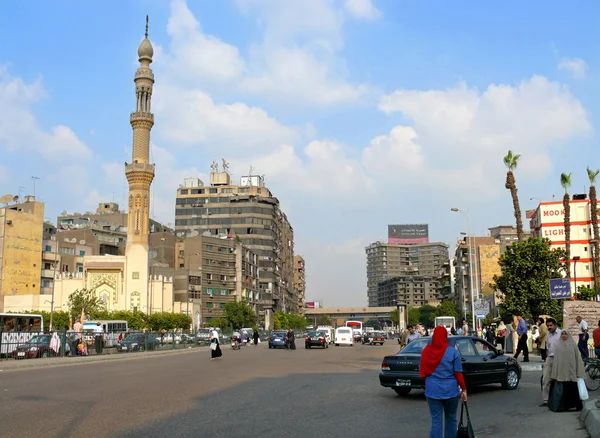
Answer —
(278, 339)
(343, 339)
(403, 383)
(124, 347)
(314, 339)
(21, 354)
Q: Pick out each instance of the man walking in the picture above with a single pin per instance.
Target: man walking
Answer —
(541, 340)
(465, 328)
(583, 338)
(552, 341)
(522, 345)
(292, 339)
(99, 337)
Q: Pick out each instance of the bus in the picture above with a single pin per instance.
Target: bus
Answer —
(357, 326)
(18, 328)
(112, 329)
(446, 321)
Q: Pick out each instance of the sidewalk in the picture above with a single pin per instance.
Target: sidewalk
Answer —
(15, 365)
(535, 362)
(590, 416)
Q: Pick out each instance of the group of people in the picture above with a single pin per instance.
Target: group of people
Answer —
(215, 346)
(291, 339)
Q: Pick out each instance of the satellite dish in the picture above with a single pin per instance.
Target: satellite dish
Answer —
(82, 242)
(15, 198)
(152, 255)
(6, 199)
(194, 233)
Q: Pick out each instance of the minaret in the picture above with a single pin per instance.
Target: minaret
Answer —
(140, 174)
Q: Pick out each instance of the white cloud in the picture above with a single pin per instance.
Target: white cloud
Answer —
(362, 9)
(20, 131)
(398, 150)
(577, 67)
(4, 174)
(461, 130)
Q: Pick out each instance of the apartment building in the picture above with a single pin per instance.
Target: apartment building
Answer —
(213, 271)
(386, 261)
(21, 248)
(410, 291)
(250, 212)
(300, 281)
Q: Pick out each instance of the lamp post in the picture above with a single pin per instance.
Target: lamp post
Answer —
(472, 270)
(575, 260)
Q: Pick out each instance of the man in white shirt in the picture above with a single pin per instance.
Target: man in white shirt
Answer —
(583, 338)
(551, 341)
(412, 335)
(465, 328)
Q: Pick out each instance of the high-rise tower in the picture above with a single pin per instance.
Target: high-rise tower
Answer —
(140, 173)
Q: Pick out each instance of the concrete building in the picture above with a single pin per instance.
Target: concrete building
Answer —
(385, 261)
(409, 291)
(213, 271)
(21, 228)
(123, 282)
(250, 212)
(300, 281)
(548, 221)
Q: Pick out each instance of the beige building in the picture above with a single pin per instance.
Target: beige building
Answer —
(250, 212)
(409, 291)
(21, 248)
(213, 271)
(123, 282)
(300, 281)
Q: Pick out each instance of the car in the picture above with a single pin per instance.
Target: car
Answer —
(138, 342)
(343, 335)
(278, 339)
(482, 364)
(377, 338)
(37, 346)
(316, 339)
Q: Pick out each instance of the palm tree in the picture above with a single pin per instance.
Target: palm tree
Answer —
(565, 182)
(510, 161)
(592, 175)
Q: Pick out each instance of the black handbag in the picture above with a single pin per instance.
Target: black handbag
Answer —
(465, 430)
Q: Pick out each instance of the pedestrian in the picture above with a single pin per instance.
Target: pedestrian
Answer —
(442, 369)
(567, 368)
(583, 338)
(402, 339)
(596, 336)
(501, 335)
(78, 329)
(98, 337)
(551, 341)
(490, 336)
(465, 328)
(541, 340)
(292, 339)
(215, 352)
(452, 330)
(412, 335)
(255, 337)
(509, 339)
(515, 336)
(522, 334)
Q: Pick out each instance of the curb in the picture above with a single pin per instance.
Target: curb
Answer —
(590, 417)
(72, 361)
(527, 367)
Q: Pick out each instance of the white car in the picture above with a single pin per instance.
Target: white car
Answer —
(343, 336)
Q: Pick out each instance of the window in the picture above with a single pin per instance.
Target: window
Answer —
(68, 251)
(222, 305)
(184, 191)
(48, 248)
(222, 249)
(212, 191)
(79, 267)
(224, 292)
(209, 276)
(81, 253)
(209, 291)
(465, 347)
(244, 190)
(209, 247)
(209, 305)
(226, 190)
(483, 349)
(223, 278)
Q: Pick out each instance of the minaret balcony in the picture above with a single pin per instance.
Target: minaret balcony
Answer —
(141, 116)
(146, 168)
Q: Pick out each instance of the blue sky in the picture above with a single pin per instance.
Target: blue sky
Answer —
(359, 112)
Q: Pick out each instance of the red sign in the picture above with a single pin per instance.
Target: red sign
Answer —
(309, 304)
(554, 232)
(554, 212)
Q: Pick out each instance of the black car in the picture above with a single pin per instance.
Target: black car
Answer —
(482, 364)
(315, 339)
(137, 342)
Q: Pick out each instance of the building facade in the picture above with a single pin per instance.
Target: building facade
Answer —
(300, 281)
(250, 212)
(385, 261)
(409, 291)
(21, 248)
(548, 221)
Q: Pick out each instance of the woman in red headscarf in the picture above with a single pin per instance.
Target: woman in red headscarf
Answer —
(442, 369)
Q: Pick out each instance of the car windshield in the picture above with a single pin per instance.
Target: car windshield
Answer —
(344, 331)
(280, 334)
(315, 334)
(39, 340)
(416, 346)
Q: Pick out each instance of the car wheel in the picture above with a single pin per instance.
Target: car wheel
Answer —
(511, 380)
(402, 391)
(46, 354)
(337, 345)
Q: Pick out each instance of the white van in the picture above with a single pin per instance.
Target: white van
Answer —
(329, 332)
(343, 336)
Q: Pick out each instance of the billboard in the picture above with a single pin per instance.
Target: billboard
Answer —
(408, 233)
(312, 305)
(489, 257)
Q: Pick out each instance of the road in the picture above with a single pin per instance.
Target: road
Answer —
(255, 392)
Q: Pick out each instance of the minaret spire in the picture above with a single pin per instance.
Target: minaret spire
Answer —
(146, 27)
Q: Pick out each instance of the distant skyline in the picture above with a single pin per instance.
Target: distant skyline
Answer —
(360, 113)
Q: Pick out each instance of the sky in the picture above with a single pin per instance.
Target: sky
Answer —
(360, 113)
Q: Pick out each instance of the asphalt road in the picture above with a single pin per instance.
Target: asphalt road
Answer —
(255, 392)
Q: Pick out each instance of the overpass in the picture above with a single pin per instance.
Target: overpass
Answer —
(339, 315)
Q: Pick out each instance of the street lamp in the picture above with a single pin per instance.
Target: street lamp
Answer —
(472, 270)
(575, 260)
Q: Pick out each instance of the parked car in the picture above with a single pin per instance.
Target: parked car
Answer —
(277, 339)
(316, 339)
(482, 364)
(138, 342)
(37, 346)
(377, 338)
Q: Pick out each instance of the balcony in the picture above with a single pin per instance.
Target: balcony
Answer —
(45, 290)
(48, 273)
(50, 256)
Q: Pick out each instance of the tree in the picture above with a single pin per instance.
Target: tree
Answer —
(526, 270)
(84, 302)
(427, 315)
(586, 293)
(446, 308)
(394, 317)
(510, 161)
(220, 322)
(297, 321)
(565, 182)
(414, 315)
(323, 320)
(240, 314)
(592, 175)
(280, 321)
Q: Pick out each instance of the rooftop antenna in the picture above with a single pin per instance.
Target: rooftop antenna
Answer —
(21, 188)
